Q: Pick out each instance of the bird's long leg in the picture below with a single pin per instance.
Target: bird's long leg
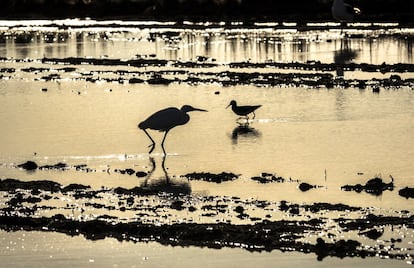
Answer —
(254, 115)
(162, 143)
(153, 142)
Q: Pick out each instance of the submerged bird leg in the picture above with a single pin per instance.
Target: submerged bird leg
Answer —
(167, 178)
(162, 143)
(153, 142)
(241, 118)
(254, 115)
(145, 184)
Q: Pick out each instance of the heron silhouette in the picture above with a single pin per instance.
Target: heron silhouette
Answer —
(166, 119)
(243, 111)
(344, 12)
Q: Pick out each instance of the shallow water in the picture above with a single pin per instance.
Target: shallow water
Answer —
(325, 136)
(298, 133)
(223, 42)
(40, 250)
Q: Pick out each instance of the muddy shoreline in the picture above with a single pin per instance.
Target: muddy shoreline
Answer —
(259, 237)
(317, 74)
(29, 206)
(262, 235)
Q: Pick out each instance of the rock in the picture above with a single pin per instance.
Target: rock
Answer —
(58, 166)
(305, 186)
(128, 171)
(177, 205)
(141, 174)
(239, 209)
(29, 165)
(12, 185)
(211, 177)
(340, 248)
(135, 80)
(75, 187)
(268, 178)
(377, 186)
(374, 186)
(373, 234)
(406, 192)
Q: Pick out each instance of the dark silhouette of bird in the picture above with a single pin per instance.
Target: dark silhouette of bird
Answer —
(166, 119)
(344, 12)
(243, 110)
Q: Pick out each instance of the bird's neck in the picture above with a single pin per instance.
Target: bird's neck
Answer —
(233, 106)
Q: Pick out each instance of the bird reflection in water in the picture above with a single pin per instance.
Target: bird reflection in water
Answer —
(344, 13)
(244, 130)
(344, 55)
(163, 183)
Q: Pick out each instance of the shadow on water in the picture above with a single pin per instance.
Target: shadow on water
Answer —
(164, 183)
(244, 130)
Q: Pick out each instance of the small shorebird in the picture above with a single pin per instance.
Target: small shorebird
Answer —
(243, 110)
(344, 12)
(166, 119)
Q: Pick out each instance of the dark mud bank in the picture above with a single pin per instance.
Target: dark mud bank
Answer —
(375, 186)
(25, 205)
(197, 73)
(266, 236)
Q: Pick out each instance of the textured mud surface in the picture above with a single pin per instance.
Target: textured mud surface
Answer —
(317, 74)
(151, 214)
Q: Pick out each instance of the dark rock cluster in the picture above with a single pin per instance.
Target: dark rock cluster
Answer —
(211, 177)
(407, 192)
(373, 186)
(268, 178)
(263, 235)
(321, 77)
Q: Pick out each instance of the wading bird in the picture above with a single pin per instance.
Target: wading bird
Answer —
(243, 110)
(344, 12)
(166, 119)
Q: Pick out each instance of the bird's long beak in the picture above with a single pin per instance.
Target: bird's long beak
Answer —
(201, 110)
(228, 106)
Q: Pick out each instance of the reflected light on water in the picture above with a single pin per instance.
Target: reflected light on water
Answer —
(38, 39)
(83, 116)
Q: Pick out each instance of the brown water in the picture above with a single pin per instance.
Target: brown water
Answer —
(327, 137)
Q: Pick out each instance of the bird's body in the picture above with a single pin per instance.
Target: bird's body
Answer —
(166, 119)
(344, 12)
(243, 110)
